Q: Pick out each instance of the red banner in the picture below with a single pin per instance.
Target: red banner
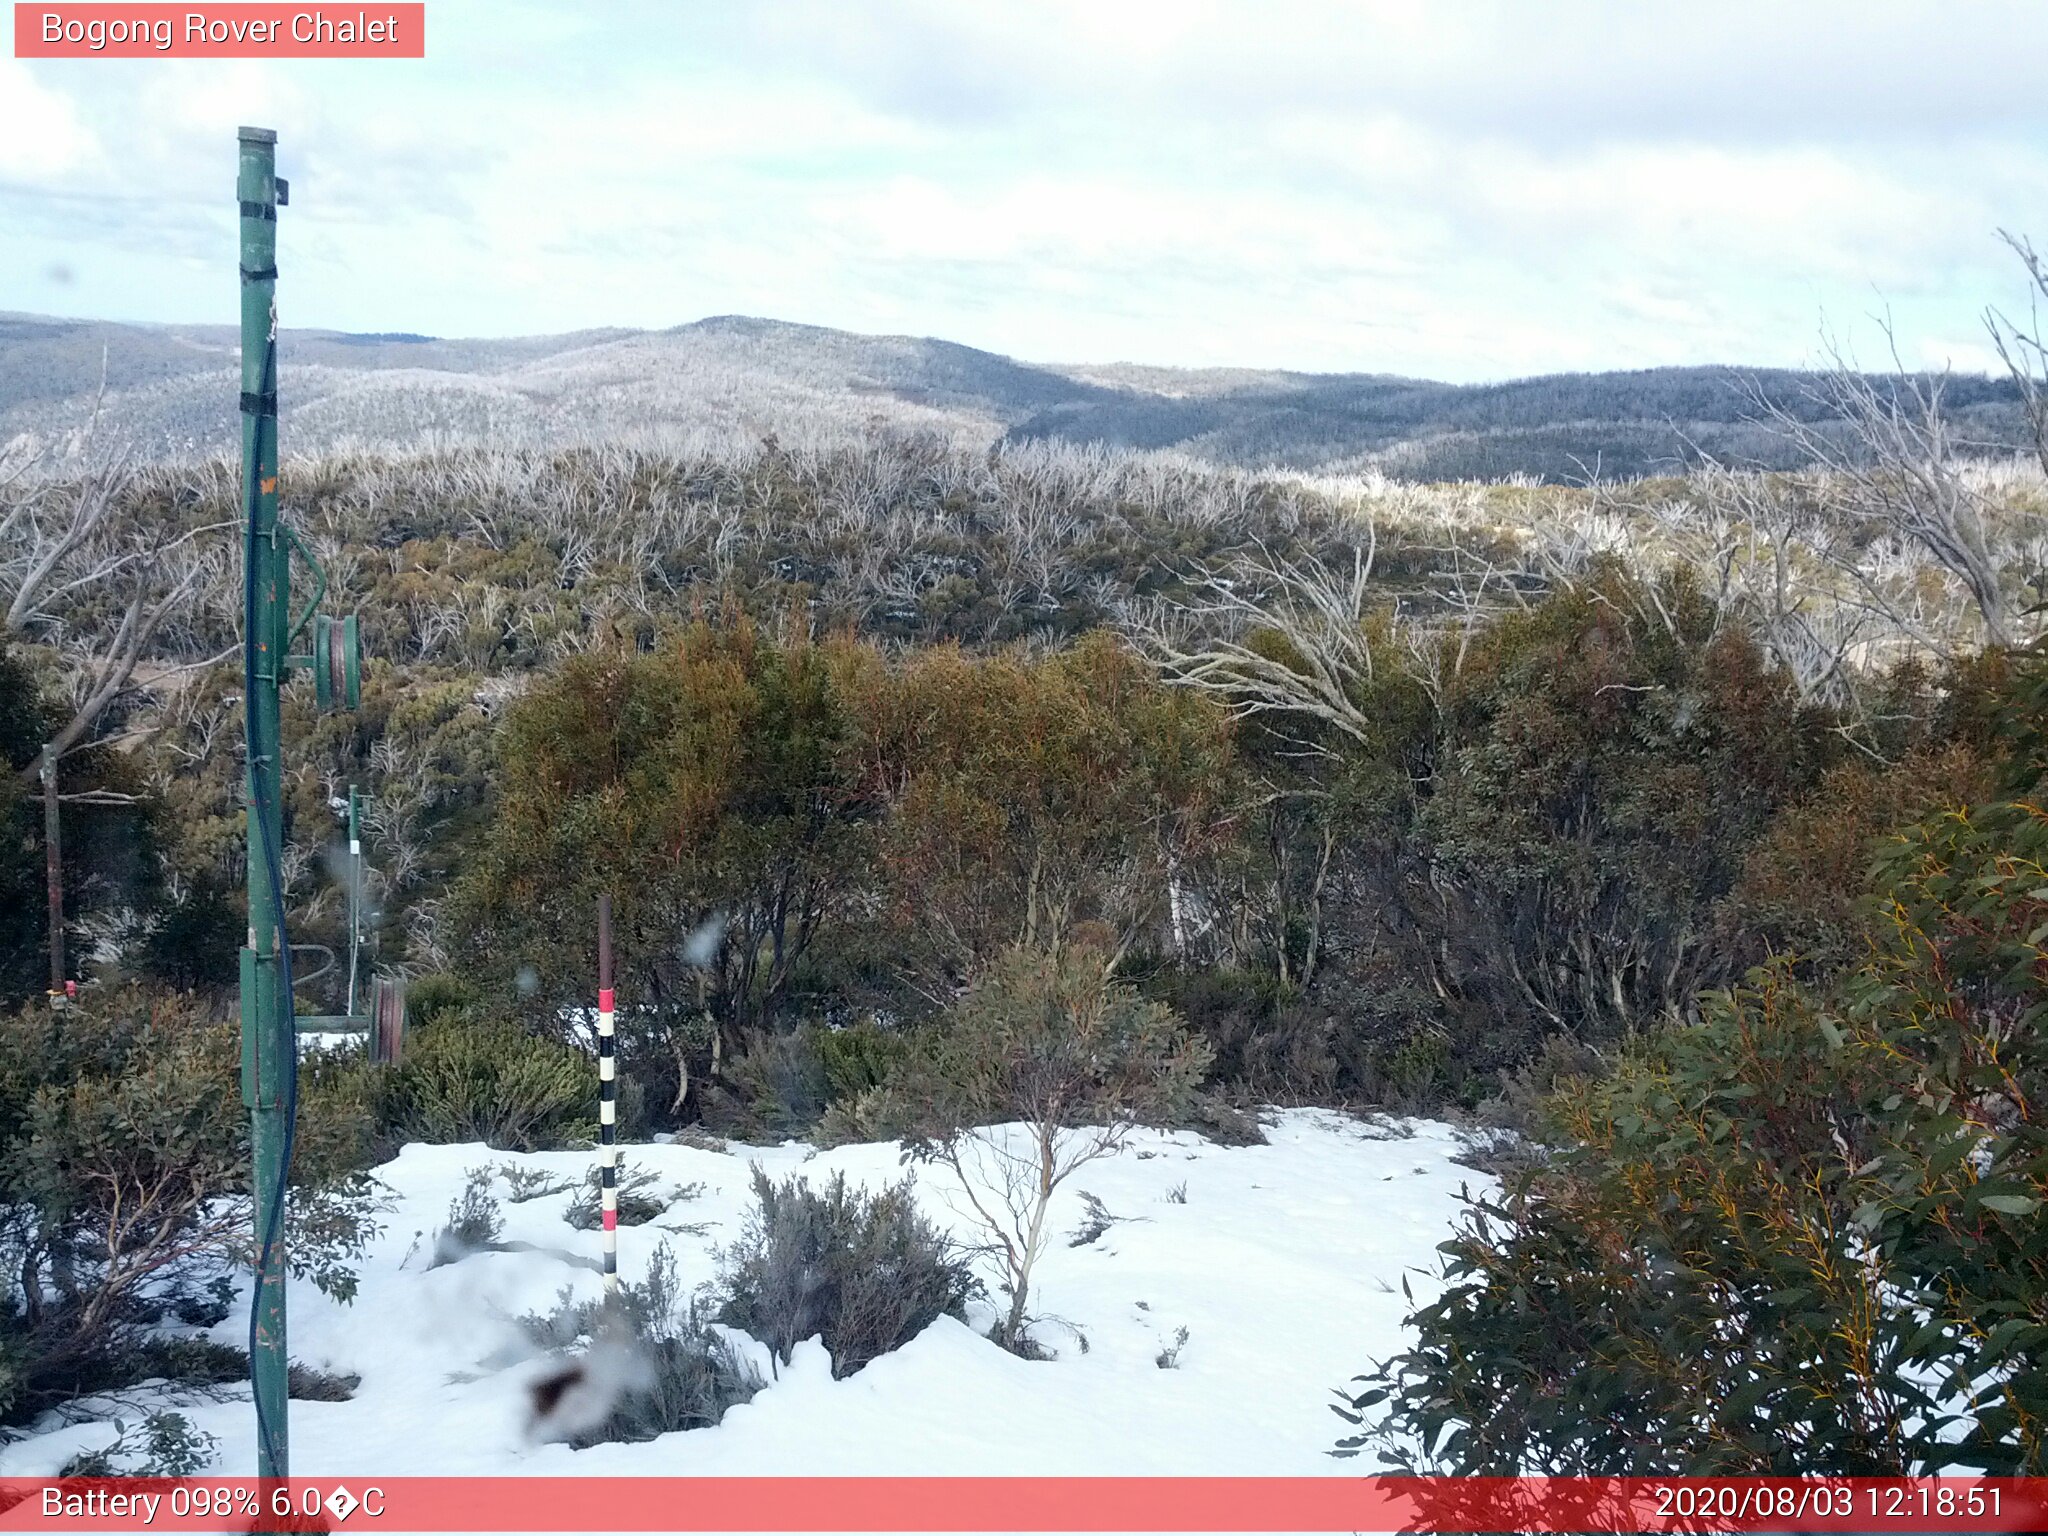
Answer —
(1051, 1504)
(101, 31)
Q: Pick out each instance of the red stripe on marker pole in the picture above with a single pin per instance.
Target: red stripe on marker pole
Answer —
(604, 1000)
(241, 31)
(1051, 1504)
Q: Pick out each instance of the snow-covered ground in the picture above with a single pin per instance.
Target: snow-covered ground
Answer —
(1284, 1264)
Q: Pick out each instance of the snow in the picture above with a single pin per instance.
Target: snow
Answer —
(1284, 1265)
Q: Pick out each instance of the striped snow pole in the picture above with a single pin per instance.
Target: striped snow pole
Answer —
(607, 1099)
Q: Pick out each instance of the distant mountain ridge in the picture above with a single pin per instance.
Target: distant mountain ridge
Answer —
(171, 393)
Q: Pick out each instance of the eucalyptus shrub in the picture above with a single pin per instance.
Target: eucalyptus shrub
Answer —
(1802, 1235)
(124, 1187)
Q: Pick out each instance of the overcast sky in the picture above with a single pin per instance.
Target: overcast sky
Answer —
(1457, 190)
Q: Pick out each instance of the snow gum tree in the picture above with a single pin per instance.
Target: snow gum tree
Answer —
(1022, 797)
(700, 782)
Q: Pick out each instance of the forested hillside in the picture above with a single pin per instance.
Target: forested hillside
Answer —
(1405, 781)
(723, 384)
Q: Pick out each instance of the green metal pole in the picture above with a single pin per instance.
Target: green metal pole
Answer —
(268, 1041)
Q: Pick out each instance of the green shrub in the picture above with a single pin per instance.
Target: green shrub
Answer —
(1214, 1117)
(463, 1078)
(1237, 1011)
(304, 1384)
(879, 1114)
(705, 776)
(1802, 1236)
(866, 1271)
(860, 1058)
(162, 1445)
(475, 1219)
(790, 1081)
(474, 1216)
(527, 1184)
(1415, 1076)
(124, 1193)
(780, 1080)
(192, 1360)
(195, 939)
(428, 997)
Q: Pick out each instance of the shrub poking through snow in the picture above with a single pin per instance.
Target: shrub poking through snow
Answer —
(865, 1270)
(1096, 1219)
(642, 1363)
(876, 1114)
(641, 1198)
(305, 1384)
(524, 1184)
(1080, 1059)
(163, 1445)
(475, 1220)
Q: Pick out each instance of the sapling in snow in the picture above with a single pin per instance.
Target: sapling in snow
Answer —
(1081, 1060)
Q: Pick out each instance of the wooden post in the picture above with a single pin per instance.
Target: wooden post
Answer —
(53, 860)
